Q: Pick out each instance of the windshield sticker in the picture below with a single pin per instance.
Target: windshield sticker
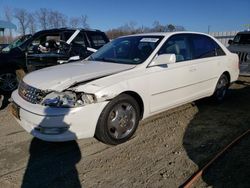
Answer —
(149, 40)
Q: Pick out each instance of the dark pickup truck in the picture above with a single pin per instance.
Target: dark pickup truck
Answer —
(47, 48)
(241, 45)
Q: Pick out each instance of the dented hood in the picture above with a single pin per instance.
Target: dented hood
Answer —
(63, 76)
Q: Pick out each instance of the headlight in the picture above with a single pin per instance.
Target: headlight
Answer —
(68, 99)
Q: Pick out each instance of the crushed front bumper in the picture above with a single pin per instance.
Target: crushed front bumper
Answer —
(56, 124)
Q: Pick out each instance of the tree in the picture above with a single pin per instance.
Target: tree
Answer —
(42, 18)
(130, 28)
(171, 27)
(84, 21)
(56, 19)
(157, 27)
(22, 17)
(8, 16)
(74, 22)
(32, 23)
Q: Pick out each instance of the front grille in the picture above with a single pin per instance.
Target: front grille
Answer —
(29, 93)
(243, 56)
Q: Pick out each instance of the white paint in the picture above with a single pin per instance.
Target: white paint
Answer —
(160, 87)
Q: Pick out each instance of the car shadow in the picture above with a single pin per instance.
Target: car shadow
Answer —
(213, 128)
(52, 164)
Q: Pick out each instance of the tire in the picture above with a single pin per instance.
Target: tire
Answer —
(221, 89)
(8, 81)
(118, 121)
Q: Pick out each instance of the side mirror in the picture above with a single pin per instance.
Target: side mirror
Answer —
(230, 41)
(164, 59)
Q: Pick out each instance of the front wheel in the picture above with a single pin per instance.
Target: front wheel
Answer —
(221, 88)
(118, 121)
(8, 81)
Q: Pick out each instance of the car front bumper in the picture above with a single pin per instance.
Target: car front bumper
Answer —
(56, 124)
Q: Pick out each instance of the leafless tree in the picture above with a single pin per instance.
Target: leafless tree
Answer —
(158, 27)
(130, 28)
(42, 18)
(74, 22)
(22, 17)
(171, 27)
(84, 21)
(32, 23)
(56, 19)
(8, 13)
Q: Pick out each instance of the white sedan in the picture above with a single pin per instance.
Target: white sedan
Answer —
(129, 79)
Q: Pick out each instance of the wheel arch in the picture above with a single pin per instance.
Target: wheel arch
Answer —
(228, 76)
(139, 100)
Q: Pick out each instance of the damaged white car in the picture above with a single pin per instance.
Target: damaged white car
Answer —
(129, 79)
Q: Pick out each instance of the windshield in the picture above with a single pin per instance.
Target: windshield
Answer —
(16, 43)
(127, 50)
(242, 39)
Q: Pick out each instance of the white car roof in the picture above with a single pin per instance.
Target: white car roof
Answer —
(165, 34)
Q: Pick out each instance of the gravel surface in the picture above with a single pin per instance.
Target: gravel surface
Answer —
(165, 151)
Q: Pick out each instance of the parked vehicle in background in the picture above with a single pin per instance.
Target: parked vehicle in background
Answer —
(46, 48)
(129, 79)
(2, 46)
(241, 45)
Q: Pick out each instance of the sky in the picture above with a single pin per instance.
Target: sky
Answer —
(194, 15)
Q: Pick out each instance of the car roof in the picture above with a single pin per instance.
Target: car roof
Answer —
(65, 29)
(165, 34)
(244, 32)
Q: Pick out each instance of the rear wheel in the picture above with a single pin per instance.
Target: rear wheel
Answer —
(8, 81)
(221, 88)
(118, 121)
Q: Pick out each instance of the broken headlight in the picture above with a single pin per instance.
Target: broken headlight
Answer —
(68, 99)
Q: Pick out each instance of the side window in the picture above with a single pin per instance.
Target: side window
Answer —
(97, 40)
(204, 46)
(43, 39)
(80, 40)
(178, 45)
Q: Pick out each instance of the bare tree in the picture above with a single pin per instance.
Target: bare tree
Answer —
(32, 23)
(22, 17)
(171, 27)
(56, 19)
(42, 18)
(8, 16)
(84, 21)
(158, 27)
(74, 22)
(130, 28)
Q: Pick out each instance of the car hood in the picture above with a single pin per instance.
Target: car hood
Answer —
(61, 77)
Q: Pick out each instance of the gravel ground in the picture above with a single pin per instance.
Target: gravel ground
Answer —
(165, 151)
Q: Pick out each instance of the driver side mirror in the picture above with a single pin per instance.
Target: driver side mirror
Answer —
(163, 59)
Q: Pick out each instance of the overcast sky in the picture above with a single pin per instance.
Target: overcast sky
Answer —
(194, 15)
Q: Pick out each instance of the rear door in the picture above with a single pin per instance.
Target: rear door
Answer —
(206, 64)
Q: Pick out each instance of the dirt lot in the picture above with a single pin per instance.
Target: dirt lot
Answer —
(166, 150)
